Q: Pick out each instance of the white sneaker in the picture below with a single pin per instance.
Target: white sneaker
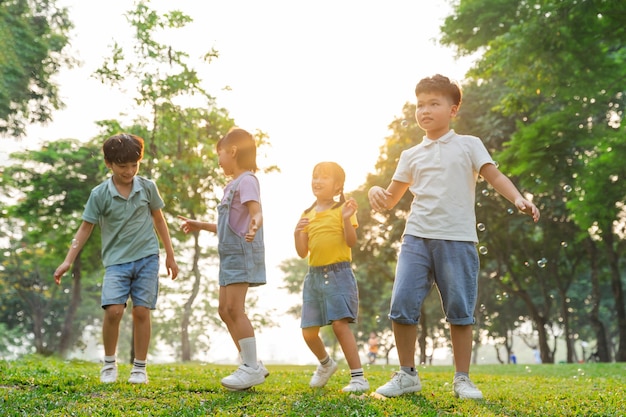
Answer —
(108, 373)
(400, 383)
(138, 376)
(245, 377)
(264, 370)
(464, 388)
(357, 385)
(322, 374)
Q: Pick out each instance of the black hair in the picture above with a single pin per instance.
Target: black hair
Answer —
(440, 84)
(338, 174)
(246, 147)
(123, 148)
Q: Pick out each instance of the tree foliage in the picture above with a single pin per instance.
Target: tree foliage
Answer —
(551, 73)
(33, 36)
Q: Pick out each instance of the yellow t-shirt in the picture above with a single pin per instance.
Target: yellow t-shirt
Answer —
(327, 244)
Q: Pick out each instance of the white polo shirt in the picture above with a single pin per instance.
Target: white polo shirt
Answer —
(442, 176)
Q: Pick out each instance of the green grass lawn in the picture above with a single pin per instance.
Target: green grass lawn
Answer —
(36, 386)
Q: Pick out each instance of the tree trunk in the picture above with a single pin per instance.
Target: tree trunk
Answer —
(602, 348)
(65, 340)
(618, 294)
(187, 309)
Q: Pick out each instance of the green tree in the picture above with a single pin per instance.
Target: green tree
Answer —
(180, 155)
(559, 65)
(47, 191)
(33, 36)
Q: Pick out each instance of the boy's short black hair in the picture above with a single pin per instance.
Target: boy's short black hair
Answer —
(442, 85)
(123, 148)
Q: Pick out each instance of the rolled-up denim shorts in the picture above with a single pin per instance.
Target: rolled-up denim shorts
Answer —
(450, 265)
(138, 279)
(330, 293)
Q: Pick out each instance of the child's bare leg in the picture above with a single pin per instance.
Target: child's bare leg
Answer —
(405, 336)
(232, 311)
(347, 342)
(142, 329)
(461, 337)
(111, 328)
(314, 342)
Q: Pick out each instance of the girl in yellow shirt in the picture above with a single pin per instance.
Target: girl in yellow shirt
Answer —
(325, 233)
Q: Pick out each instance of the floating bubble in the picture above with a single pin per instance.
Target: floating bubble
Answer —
(481, 227)
(483, 250)
(541, 263)
(510, 210)
(74, 243)
(564, 244)
(567, 188)
(485, 192)
(404, 123)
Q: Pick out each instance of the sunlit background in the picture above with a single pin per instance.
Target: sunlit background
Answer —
(323, 79)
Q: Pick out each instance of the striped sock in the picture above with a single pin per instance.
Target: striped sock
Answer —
(356, 373)
(139, 365)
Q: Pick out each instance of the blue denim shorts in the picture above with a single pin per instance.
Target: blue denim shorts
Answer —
(450, 265)
(330, 293)
(138, 279)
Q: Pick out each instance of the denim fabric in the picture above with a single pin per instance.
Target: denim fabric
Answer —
(138, 279)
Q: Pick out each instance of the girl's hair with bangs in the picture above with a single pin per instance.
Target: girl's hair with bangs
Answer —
(246, 147)
(337, 173)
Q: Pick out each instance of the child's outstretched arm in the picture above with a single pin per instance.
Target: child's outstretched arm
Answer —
(83, 233)
(504, 186)
(190, 225)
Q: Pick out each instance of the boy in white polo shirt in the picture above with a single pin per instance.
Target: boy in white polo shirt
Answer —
(128, 209)
(439, 239)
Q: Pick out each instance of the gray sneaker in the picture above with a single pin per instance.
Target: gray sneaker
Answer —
(464, 388)
(322, 374)
(400, 383)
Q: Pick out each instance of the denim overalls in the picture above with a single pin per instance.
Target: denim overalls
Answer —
(240, 261)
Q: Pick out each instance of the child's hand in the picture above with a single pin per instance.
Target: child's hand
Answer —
(61, 270)
(252, 231)
(527, 207)
(189, 225)
(349, 208)
(302, 224)
(378, 198)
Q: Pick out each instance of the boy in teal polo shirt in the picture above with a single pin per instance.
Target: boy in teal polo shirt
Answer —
(128, 209)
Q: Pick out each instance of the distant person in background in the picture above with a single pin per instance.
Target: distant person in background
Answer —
(241, 250)
(439, 240)
(372, 344)
(513, 358)
(537, 355)
(128, 209)
(325, 233)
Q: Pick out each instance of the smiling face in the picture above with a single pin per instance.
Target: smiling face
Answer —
(123, 173)
(434, 112)
(325, 183)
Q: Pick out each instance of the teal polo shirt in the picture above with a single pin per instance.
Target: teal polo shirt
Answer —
(127, 228)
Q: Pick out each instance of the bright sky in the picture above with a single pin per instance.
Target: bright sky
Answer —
(322, 78)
